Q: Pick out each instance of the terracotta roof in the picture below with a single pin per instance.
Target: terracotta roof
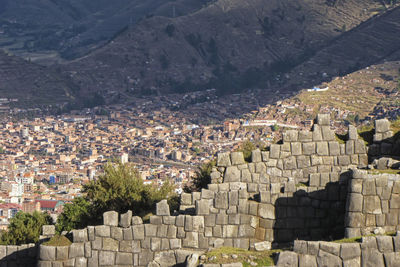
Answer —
(10, 206)
(47, 204)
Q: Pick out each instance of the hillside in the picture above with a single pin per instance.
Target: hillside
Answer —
(48, 31)
(229, 45)
(31, 84)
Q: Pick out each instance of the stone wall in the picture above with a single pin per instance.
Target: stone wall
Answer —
(295, 190)
(23, 255)
(373, 204)
(385, 144)
(371, 251)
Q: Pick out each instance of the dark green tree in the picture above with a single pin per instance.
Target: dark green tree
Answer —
(201, 178)
(25, 228)
(75, 215)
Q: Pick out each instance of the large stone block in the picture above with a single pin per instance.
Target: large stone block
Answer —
(79, 236)
(322, 148)
(107, 258)
(289, 163)
(165, 258)
(327, 259)
(124, 258)
(372, 258)
(110, 244)
(162, 208)
(110, 218)
(382, 125)
(62, 252)
(352, 133)
(221, 200)
(354, 219)
(324, 119)
(385, 243)
(274, 151)
(287, 259)
(232, 174)
(126, 219)
(307, 261)
(327, 133)
(191, 240)
(350, 251)
(359, 147)
(223, 160)
(372, 205)
(256, 156)
(76, 250)
(48, 230)
(266, 211)
(330, 247)
(47, 253)
(290, 136)
(308, 148)
(355, 202)
(138, 232)
(237, 158)
(334, 148)
(392, 259)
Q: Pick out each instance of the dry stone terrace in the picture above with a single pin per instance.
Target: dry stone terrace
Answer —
(307, 188)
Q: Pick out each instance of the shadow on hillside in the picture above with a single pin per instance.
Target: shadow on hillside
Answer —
(316, 215)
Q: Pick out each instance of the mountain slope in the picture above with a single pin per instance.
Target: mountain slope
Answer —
(72, 28)
(31, 84)
(230, 44)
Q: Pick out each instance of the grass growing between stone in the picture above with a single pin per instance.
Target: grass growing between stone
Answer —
(388, 171)
(224, 255)
(358, 239)
(58, 241)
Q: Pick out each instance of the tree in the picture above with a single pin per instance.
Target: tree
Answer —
(75, 215)
(122, 189)
(201, 178)
(25, 228)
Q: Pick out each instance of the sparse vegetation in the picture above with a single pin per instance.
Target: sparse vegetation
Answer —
(58, 241)
(201, 178)
(170, 30)
(261, 258)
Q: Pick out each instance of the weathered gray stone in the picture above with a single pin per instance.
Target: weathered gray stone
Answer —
(192, 260)
(48, 230)
(334, 148)
(266, 211)
(323, 119)
(287, 259)
(162, 208)
(322, 148)
(392, 259)
(262, 246)
(191, 240)
(308, 148)
(356, 262)
(110, 244)
(221, 200)
(290, 136)
(372, 258)
(359, 147)
(106, 258)
(223, 160)
(327, 133)
(385, 243)
(76, 250)
(382, 125)
(62, 253)
(300, 246)
(290, 163)
(307, 261)
(47, 253)
(79, 235)
(355, 202)
(124, 258)
(317, 134)
(372, 205)
(350, 251)
(237, 158)
(138, 232)
(274, 151)
(352, 133)
(354, 219)
(327, 259)
(110, 218)
(126, 219)
(232, 174)
(330, 247)
(116, 233)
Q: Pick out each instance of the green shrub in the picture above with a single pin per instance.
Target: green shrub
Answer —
(25, 228)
